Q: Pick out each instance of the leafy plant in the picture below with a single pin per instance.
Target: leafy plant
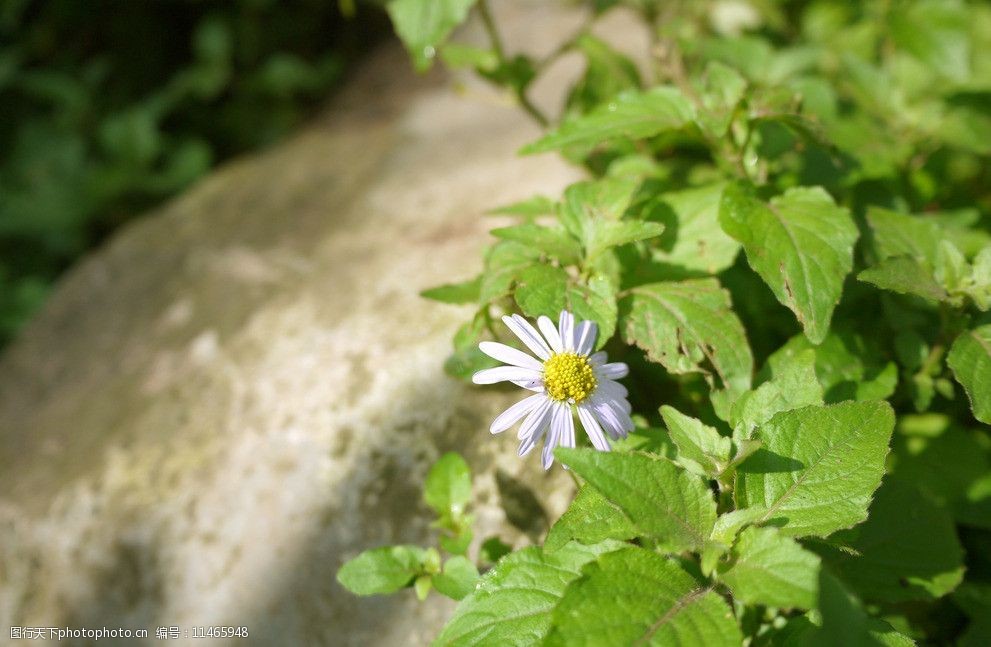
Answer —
(447, 492)
(786, 235)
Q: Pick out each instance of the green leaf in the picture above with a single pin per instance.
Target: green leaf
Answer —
(793, 385)
(469, 334)
(422, 586)
(844, 622)
(538, 205)
(788, 124)
(504, 263)
(689, 327)
(979, 288)
(728, 526)
(457, 56)
(771, 569)
(898, 234)
(801, 244)
(968, 127)
(905, 275)
(937, 33)
(882, 633)
(722, 89)
(948, 464)
(631, 115)
(636, 597)
(457, 538)
(584, 202)
(458, 578)
(515, 73)
(541, 289)
(818, 467)
(705, 451)
(552, 241)
(424, 25)
(975, 600)
(951, 269)
(596, 302)
(492, 550)
(603, 234)
(700, 244)
(513, 602)
(590, 519)
(908, 549)
(593, 211)
(878, 150)
(606, 74)
(970, 359)
(743, 449)
(977, 634)
(653, 440)
(456, 293)
(382, 570)
(963, 228)
(846, 365)
(982, 266)
(661, 500)
(750, 54)
(447, 489)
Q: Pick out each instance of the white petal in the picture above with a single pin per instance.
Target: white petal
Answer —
(585, 337)
(621, 415)
(504, 374)
(592, 428)
(550, 333)
(510, 416)
(607, 417)
(568, 437)
(527, 444)
(627, 408)
(510, 355)
(528, 335)
(611, 389)
(598, 359)
(534, 425)
(566, 328)
(536, 385)
(613, 371)
(557, 430)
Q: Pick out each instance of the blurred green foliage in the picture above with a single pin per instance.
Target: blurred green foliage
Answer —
(110, 107)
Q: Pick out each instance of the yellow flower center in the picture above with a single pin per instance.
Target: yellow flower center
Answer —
(569, 376)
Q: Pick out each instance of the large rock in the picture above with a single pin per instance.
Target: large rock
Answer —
(243, 389)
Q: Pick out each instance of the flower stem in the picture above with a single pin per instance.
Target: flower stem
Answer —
(500, 52)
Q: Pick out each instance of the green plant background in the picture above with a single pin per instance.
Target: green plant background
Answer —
(110, 107)
(785, 233)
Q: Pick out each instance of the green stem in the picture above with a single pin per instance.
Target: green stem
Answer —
(488, 323)
(563, 48)
(742, 151)
(532, 110)
(935, 354)
(725, 502)
(496, 40)
(490, 28)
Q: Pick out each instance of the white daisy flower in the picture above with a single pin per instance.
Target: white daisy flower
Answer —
(567, 378)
